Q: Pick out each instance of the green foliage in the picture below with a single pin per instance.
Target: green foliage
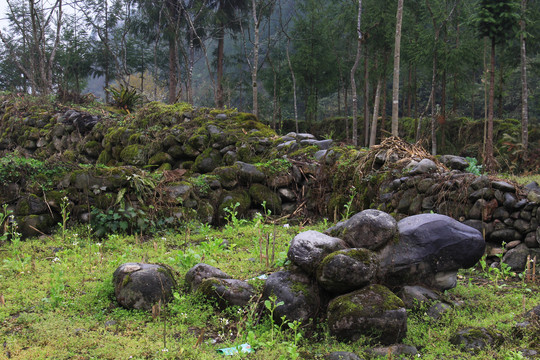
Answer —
(16, 168)
(498, 19)
(124, 220)
(124, 98)
(473, 167)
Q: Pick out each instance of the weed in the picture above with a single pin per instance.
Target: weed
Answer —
(65, 216)
(473, 167)
(348, 205)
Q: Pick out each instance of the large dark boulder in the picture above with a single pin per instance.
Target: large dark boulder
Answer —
(347, 270)
(370, 229)
(430, 248)
(373, 311)
(299, 293)
(309, 248)
(140, 286)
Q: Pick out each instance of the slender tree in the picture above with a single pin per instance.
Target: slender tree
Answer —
(353, 73)
(524, 86)
(395, 84)
(497, 20)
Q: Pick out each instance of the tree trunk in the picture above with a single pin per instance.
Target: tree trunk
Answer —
(395, 84)
(433, 111)
(500, 94)
(173, 80)
(293, 84)
(220, 59)
(489, 160)
(366, 96)
(524, 86)
(373, 135)
(255, 65)
(353, 81)
(442, 116)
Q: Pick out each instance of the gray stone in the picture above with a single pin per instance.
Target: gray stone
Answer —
(342, 355)
(324, 144)
(477, 210)
(522, 226)
(501, 213)
(140, 286)
(483, 193)
(398, 350)
(480, 182)
(287, 194)
(510, 201)
(476, 339)
(429, 244)
(425, 166)
(503, 186)
(416, 296)
(370, 229)
(299, 293)
(530, 240)
(309, 248)
(249, 173)
(371, 310)
(424, 185)
(437, 310)
(285, 144)
(347, 270)
(195, 276)
(226, 292)
(304, 136)
(454, 162)
(319, 155)
(179, 191)
(516, 258)
(503, 235)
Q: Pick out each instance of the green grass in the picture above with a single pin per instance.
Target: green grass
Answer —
(59, 303)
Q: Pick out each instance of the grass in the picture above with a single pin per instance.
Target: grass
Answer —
(60, 304)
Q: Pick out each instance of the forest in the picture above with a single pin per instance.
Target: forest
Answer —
(297, 62)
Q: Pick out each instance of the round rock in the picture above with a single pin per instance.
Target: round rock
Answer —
(308, 248)
(140, 286)
(195, 276)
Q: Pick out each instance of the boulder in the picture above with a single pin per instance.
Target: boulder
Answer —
(416, 296)
(429, 244)
(262, 194)
(347, 270)
(249, 173)
(195, 276)
(299, 293)
(516, 258)
(226, 292)
(425, 166)
(374, 311)
(309, 248)
(454, 162)
(476, 339)
(140, 286)
(370, 229)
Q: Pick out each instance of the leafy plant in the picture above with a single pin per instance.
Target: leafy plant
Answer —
(473, 167)
(126, 220)
(124, 98)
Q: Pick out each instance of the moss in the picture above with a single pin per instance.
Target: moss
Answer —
(160, 158)
(134, 138)
(301, 288)
(262, 194)
(126, 280)
(164, 167)
(307, 151)
(104, 157)
(133, 155)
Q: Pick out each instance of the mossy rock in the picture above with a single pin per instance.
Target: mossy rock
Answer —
(207, 161)
(236, 200)
(199, 141)
(104, 157)
(262, 194)
(92, 148)
(159, 159)
(164, 167)
(133, 155)
(373, 311)
(44, 223)
(228, 176)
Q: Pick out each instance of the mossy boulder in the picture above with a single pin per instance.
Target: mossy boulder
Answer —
(35, 225)
(309, 248)
(92, 148)
(195, 276)
(207, 161)
(236, 200)
(373, 311)
(226, 292)
(104, 158)
(159, 159)
(228, 176)
(261, 194)
(298, 292)
(134, 155)
(31, 205)
(140, 286)
(347, 270)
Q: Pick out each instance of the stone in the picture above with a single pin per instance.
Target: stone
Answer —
(309, 248)
(503, 186)
(342, 355)
(501, 213)
(370, 229)
(477, 210)
(437, 310)
(207, 161)
(503, 235)
(249, 173)
(425, 166)
(262, 194)
(226, 292)
(287, 194)
(398, 350)
(510, 201)
(416, 296)
(454, 162)
(324, 144)
(522, 226)
(299, 293)
(347, 270)
(530, 240)
(195, 276)
(373, 310)
(429, 244)
(476, 339)
(480, 182)
(516, 258)
(512, 244)
(140, 286)
(424, 185)
(483, 193)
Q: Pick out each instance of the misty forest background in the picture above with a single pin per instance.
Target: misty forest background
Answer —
(295, 64)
